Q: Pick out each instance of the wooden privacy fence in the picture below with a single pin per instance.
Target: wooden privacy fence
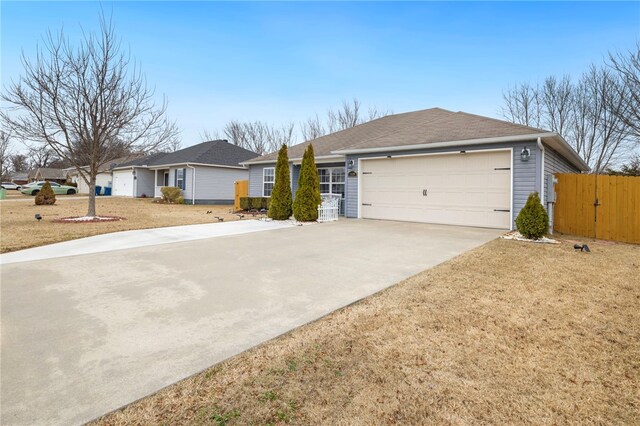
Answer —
(598, 206)
(242, 190)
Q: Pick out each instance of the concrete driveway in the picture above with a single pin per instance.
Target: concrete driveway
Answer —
(84, 335)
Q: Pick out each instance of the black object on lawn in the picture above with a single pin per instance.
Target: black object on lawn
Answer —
(38, 217)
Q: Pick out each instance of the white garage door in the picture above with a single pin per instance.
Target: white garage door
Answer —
(123, 183)
(472, 189)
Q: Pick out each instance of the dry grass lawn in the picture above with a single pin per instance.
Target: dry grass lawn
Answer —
(510, 333)
(20, 230)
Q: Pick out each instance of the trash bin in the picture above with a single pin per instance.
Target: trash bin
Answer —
(98, 189)
(3, 193)
(107, 190)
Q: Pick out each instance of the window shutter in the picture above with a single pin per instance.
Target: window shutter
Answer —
(175, 178)
(184, 179)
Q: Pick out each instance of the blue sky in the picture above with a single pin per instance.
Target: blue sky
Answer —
(282, 62)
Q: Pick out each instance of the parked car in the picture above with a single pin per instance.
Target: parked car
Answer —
(34, 188)
(10, 185)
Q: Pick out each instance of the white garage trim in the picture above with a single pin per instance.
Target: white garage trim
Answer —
(509, 150)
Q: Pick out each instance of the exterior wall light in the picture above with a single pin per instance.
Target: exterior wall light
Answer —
(525, 154)
(350, 164)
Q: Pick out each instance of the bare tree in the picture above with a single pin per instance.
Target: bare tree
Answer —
(90, 104)
(587, 114)
(522, 105)
(19, 163)
(557, 101)
(313, 128)
(348, 115)
(40, 155)
(627, 67)
(5, 153)
(208, 135)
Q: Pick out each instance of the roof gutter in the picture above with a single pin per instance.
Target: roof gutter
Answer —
(193, 184)
(296, 160)
(558, 143)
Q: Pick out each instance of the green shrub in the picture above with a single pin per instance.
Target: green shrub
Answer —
(280, 205)
(172, 195)
(258, 203)
(45, 196)
(245, 203)
(533, 221)
(305, 205)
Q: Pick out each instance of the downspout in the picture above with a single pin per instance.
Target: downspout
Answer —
(542, 187)
(193, 185)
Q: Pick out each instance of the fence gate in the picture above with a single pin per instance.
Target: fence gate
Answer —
(598, 206)
(242, 190)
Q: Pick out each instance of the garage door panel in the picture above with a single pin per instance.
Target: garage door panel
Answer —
(462, 189)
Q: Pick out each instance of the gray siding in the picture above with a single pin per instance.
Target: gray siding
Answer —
(255, 178)
(214, 183)
(554, 163)
(524, 172)
(144, 182)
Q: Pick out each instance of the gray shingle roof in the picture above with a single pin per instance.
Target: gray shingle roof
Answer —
(410, 128)
(218, 152)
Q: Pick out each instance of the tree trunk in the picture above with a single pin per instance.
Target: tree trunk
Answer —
(92, 196)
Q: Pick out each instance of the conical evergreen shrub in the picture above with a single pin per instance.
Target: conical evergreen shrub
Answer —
(305, 205)
(280, 205)
(533, 221)
(46, 196)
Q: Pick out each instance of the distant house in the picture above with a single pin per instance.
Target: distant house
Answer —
(20, 178)
(49, 174)
(205, 172)
(104, 178)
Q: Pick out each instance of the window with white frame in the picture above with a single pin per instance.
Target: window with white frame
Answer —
(268, 179)
(180, 178)
(332, 180)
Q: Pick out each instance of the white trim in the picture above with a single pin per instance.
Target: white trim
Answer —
(317, 158)
(263, 182)
(193, 184)
(435, 153)
(164, 166)
(331, 182)
(554, 140)
(511, 185)
(359, 188)
(542, 179)
(512, 188)
(432, 145)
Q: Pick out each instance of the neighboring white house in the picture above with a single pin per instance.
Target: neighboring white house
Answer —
(104, 178)
(205, 172)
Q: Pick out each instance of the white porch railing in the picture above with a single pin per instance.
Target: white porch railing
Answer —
(329, 209)
(157, 193)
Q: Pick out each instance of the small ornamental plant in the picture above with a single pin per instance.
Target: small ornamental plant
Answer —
(172, 195)
(280, 204)
(533, 221)
(46, 196)
(305, 205)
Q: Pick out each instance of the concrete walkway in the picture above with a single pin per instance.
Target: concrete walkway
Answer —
(90, 333)
(139, 238)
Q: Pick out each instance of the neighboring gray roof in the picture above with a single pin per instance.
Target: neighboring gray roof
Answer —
(410, 128)
(48, 173)
(218, 152)
(20, 175)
